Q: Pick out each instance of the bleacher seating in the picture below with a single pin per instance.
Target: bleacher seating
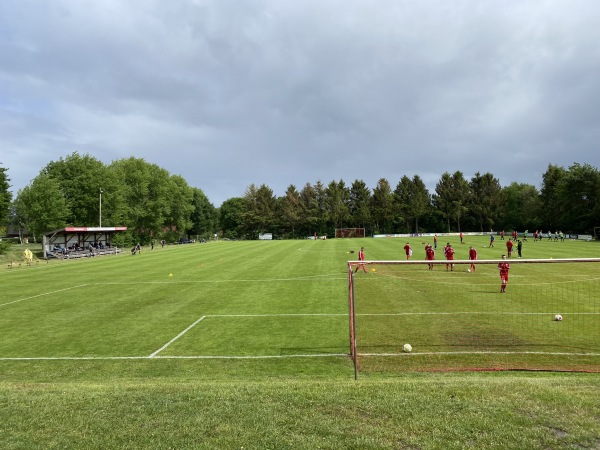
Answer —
(81, 253)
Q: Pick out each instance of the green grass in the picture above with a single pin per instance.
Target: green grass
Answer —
(84, 361)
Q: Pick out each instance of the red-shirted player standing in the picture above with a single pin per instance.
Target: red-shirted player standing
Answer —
(472, 257)
(429, 255)
(408, 250)
(509, 247)
(361, 257)
(449, 256)
(503, 267)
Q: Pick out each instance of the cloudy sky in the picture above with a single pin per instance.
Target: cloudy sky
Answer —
(227, 93)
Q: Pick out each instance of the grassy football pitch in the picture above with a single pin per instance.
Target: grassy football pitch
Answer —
(245, 344)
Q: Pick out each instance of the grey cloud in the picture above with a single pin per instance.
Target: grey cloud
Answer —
(230, 93)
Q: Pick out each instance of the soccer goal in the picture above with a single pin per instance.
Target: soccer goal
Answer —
(349, 232)
(457, 318)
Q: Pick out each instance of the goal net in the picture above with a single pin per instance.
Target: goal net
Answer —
(349, 232)
(456, 318)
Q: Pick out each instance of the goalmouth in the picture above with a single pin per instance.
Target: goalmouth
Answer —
(456, 318)
(349, 232)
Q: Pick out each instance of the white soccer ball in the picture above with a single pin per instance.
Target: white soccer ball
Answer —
(468, 270)
(558, 317)
(407, 348)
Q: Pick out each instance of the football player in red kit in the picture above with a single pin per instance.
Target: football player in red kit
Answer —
(504, 268)
(472, 257)
(429, 255)
(449, 256)
(361, 257)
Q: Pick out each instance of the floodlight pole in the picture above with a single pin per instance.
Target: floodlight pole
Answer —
(100, 207)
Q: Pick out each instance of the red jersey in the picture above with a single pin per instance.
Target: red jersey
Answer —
(429, 254)
(449, 253)
(472, 253)
(407, 249)
(361, 255)
(509, 245)
(504, 266)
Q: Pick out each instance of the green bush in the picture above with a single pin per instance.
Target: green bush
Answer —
(4, 246)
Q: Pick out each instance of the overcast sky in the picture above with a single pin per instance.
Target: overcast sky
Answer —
(227, 93)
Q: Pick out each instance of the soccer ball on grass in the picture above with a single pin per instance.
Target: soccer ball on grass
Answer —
(407, 348)
(558, 317)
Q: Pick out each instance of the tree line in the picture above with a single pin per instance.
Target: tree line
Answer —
(80, 190)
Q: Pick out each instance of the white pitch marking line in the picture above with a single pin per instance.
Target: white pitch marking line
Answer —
(41, 295)
(326, 277)
(492, 313)
(412, 354)
(279, 315)
(176, 337)
(109, 358)
(318, 355)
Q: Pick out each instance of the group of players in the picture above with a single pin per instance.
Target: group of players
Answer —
(503, 266)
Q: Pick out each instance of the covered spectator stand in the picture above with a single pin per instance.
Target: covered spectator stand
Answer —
(73, 242)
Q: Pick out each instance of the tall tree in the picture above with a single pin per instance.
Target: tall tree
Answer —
(147, 193)
(451, 197)
(420, 201)
(41, 206)
(552, 206)
(81, 178)
(230, 217)
(579, 199)
(321, 210)
(204, 217)
(291, 209)
(5, 196)
(358, 204)
(259, 210)
(487, 201)
(402, 202)
(309, 205)
(336, 201)
(413, 200)
(523, 207)
(382, 206)
(181, 205)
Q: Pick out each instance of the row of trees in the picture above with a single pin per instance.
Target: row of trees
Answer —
(80, 190)
(568, 201)
(155, 204)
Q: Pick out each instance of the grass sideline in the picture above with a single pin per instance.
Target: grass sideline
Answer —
(303, 396)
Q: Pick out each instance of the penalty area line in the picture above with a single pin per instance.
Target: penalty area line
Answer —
(41, 295)
(176, 337)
